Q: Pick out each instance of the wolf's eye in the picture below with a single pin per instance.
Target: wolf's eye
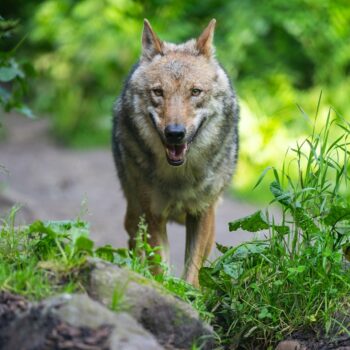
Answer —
(195, 92)
(158, 92)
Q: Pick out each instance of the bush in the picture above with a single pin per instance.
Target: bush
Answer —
(298, 276)
(13, 75)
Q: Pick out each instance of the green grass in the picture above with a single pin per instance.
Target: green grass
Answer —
(298, 278)
(30, 264)
(43, 258)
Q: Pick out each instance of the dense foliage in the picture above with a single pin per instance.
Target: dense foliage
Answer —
(298, 277)
(276, 52)
(13, 74)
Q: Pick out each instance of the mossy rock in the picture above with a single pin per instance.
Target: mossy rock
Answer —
(174, 323)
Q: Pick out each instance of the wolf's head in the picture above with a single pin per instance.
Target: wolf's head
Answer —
(179, 88)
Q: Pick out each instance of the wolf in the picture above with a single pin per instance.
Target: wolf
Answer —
(175, 142)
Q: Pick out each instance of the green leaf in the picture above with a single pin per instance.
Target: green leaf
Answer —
(83, 244)
(250, 248)
(25, 110)
(107, 252)
(222, 249)
(252, 223)
(233, 270)
(281, 229)
(28, 69)
(282, 197)
(43, 239)
(296, 270)
(257, 222)
(305, 222)
(264, 313)
(206, 278)
(41, 227)
(8, 73)
(122, 257)
(237, 255)
(337, 214)
(278, 283)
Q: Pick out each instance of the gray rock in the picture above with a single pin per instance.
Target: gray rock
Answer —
(82, 311)
(174, 323)
(290, 345)
(75, 322)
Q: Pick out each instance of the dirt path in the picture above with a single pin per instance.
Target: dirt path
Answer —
(53, 182)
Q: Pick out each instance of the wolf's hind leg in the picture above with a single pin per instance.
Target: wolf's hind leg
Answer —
(200, 236)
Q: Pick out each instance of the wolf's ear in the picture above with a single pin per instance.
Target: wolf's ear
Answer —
(205, 40)
(151, 44)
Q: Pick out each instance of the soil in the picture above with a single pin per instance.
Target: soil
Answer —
(311, 340)
(55, 183)
(10, 305)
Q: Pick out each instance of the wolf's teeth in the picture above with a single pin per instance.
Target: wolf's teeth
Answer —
(176, 152)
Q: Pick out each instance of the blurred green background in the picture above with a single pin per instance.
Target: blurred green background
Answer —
(279, 54)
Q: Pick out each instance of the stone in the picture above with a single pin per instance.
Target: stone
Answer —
(174, 323)
(75, 322)
(10, 306)
(290, 345)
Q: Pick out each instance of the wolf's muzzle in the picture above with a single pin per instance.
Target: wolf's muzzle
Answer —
(175, 134)
(175, 145)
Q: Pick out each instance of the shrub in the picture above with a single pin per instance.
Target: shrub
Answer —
(297, 276)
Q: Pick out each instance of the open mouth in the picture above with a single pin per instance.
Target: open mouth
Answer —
(176, 153)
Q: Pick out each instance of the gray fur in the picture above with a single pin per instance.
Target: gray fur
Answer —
(184, 85)
(210, 162)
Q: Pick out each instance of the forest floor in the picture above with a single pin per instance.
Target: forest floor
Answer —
(55, 183)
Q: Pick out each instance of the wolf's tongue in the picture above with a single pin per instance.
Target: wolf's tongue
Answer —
(176, 152)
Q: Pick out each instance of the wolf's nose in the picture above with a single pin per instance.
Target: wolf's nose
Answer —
(175, 133)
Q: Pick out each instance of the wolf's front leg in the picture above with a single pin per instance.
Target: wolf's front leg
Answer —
(158, 237)
(156, 230)
(200, 235)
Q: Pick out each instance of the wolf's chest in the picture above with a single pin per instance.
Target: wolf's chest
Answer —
(174, 204)
(175, 196)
